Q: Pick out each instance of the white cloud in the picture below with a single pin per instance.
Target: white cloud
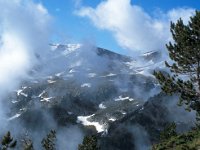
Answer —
(184, 13)
(132, 27)
(24, 31)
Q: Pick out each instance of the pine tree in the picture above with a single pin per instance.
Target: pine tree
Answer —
(27, 144)
(184, 52)
(48, 143)
(89, 143)
(8, 142)
(168, 132)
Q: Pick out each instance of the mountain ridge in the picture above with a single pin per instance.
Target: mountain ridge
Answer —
(88, 86)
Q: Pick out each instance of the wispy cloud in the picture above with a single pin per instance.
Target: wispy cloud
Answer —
(132, 27)
(24, 31)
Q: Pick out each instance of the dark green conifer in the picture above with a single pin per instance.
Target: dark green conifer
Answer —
(48, 143)
(184, 52)
(27, 144)
(168, 132)
(89, 143)
(8, 142)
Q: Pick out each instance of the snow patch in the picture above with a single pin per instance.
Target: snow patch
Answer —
(71, 48)
(59, 74)
(15, 116)
(148, 53)
(131, 99)
(51, 81)
(84, 120)
(131, 64)
(20, 92)
(14, 101)
(112, 119)
(25, 95)
(109, 75)
(65, 49)
(72, 71)
(123, 113)
(141, 108)
(46, 99)
(124, 98)
(86, 85)
(102, 106)
(40, 95)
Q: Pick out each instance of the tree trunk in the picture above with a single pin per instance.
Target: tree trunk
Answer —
(198, 76)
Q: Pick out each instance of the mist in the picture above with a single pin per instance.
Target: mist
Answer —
(26, 55)
(24, 32)
(20, 22)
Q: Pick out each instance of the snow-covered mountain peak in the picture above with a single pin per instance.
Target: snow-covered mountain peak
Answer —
(65, 48)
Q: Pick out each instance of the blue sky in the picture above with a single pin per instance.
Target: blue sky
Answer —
(72, 28)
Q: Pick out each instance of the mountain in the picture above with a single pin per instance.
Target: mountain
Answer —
(95, 90)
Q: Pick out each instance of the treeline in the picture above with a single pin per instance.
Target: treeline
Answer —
(47, 143)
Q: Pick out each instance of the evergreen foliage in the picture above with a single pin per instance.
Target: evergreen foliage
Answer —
(184, 52)
(89, 143)
(48, 143)
(8, 142)
(168, 132)
(27, 144)
(185, 141)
